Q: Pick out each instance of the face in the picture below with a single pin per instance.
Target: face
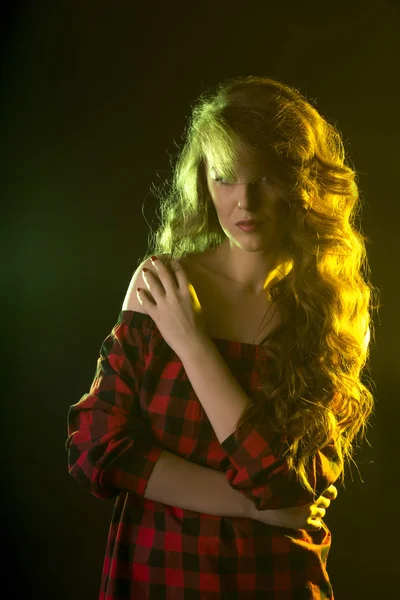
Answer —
(260, 199)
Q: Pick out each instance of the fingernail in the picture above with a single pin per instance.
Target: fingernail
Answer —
(153, 258)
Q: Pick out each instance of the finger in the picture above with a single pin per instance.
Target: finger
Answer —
(153, 283)
(317, 512)
(328, 494)
(322, 501)
(145, 298)
(180, 274)
(314, 525)
(331, 492)
(160, 279)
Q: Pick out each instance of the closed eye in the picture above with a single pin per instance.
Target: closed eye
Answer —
(223, 181)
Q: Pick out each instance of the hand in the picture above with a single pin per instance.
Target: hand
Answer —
(298, 517)
(171, 301)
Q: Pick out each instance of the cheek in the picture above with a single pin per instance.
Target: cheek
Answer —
(279, 210)
(221, 204)
(225, 210)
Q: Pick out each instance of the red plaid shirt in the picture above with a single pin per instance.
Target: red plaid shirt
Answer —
(139, 401)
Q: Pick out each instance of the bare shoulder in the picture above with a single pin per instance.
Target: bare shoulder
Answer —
(199, 260)
(131, 301)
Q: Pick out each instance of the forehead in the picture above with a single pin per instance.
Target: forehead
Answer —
(246, 164)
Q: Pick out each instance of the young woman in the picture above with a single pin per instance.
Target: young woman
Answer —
(228, 396)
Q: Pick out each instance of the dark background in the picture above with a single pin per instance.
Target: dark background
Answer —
(95, 98)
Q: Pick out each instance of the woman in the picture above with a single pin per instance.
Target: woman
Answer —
(228, 395)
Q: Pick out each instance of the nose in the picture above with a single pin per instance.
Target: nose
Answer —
(249, 194)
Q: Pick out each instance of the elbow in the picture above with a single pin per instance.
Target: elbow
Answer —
(89, 476)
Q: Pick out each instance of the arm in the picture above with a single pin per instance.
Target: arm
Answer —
(179, 482)
(109, 448)
(256, 469)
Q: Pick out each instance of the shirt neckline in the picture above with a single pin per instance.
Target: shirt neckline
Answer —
(226, 341)
(218, 340)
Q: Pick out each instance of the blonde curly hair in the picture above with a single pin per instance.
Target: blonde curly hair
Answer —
(312, 394)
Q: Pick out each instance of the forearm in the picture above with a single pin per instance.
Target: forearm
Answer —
(223, 399)
(178, 482)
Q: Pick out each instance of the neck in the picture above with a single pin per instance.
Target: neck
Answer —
(251, 272)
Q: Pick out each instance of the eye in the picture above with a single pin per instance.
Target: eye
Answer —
(221, 180)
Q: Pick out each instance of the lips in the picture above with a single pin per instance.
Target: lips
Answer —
(251, 222)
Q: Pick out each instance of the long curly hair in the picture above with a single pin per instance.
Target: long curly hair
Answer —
(312, 394)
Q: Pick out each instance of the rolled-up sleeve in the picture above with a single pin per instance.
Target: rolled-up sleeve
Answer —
(110, 447)
(262, 475)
